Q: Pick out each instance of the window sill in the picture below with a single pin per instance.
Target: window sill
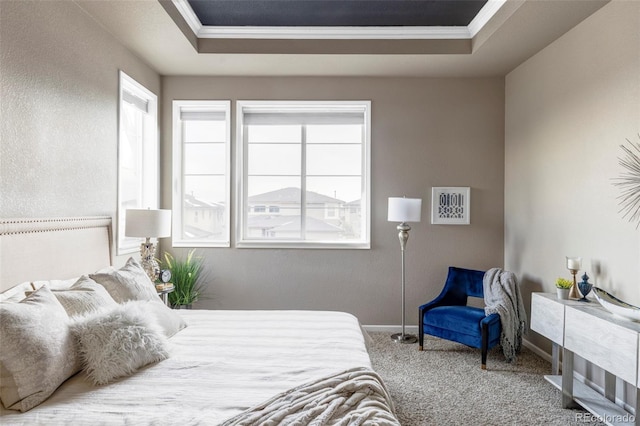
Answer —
(303, 245)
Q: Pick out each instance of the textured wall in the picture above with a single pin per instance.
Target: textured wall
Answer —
(425, 132)
(567, 111)
(59, 106)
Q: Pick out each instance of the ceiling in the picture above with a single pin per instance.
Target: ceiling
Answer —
(159, 34)
(336, 12)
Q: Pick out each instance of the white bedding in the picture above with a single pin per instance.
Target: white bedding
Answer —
(223, 363)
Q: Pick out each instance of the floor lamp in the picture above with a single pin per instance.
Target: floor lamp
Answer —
(404, 210)
(148, 223)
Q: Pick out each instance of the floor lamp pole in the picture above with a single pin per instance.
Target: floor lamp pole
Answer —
(403, 236)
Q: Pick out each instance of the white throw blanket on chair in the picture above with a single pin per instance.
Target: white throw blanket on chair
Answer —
(502, 296)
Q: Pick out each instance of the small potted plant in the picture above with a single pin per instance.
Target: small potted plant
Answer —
(186, 277)
(563, 286)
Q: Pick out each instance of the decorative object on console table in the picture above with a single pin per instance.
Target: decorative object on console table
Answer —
(616, 306)
(563, 286)
(585, 287)
(148, 223)
(186, 275)
(451, 205)
(573, 265)
(404, 210)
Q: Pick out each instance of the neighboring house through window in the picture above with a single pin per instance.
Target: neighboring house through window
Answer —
(309, 163)
(201, 179)
(137, 155)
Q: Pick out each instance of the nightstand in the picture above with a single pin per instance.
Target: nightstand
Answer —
(164, 294)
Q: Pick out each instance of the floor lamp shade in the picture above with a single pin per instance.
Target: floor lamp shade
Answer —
(403, 209)
(147, 223)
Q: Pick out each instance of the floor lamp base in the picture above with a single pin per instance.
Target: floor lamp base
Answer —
(404, 338)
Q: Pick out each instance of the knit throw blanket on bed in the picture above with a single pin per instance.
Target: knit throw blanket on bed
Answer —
(353, 397)
(502, 296)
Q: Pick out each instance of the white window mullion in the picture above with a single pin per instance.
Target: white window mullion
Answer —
(303, 183)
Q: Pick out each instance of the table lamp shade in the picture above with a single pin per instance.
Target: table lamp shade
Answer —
(148, 223)
(404, 209)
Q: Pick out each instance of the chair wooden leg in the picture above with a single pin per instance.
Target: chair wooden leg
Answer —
(485, 344)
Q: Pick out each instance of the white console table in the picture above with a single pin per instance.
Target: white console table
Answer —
(591, 332)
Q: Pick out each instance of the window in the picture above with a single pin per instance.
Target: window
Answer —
(309, 162)
(201, 182)
(137, 155)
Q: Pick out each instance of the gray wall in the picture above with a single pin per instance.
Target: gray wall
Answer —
(425, 132)
(568, 109)
(59, 109)
(59, 82)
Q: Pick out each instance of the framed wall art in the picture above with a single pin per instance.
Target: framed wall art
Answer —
(451, 205)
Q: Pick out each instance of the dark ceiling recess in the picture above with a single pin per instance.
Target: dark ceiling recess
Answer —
(336, 13)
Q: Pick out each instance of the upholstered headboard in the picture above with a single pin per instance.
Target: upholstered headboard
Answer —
(52, 248)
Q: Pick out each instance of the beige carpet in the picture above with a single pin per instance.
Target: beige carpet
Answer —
(444, 385)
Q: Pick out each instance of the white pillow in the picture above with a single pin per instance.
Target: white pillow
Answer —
(38, 350)
(117, 342)
(127, 283)
(22, 290)
(166, 318)
(84, 296)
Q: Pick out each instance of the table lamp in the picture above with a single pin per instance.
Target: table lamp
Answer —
(148, 223)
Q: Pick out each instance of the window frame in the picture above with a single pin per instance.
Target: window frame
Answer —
(178, 178)
(148, 168)
(241, 179)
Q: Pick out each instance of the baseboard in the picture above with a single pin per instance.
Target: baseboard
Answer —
(408, 329)
(536, 350)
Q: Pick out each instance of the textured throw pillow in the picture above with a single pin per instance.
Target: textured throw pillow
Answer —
(127, 283)
(84, 296)
(38, 350)
(117, 342)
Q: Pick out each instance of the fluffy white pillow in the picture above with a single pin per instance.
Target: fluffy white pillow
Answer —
(38, 351)
(117, 342)
(84, 296)
(127, 283)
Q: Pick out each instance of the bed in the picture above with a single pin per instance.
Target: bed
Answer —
(225, 367)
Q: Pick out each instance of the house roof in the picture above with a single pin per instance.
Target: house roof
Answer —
(292, 195)
(195, 203)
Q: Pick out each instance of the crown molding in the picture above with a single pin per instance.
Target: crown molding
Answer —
(339, 33)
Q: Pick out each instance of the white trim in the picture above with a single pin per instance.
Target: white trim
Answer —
(340, 33)
(408, 329)
(336, 33)
(241, 183)
(177, 186)
(149, 166)
(189, 15)
(536, 350)
(490, 8)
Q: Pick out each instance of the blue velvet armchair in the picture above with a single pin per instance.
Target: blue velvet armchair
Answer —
(449, 317)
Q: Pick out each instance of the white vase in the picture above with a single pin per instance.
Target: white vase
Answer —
(563, 293)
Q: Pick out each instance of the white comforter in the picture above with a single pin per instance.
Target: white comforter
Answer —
(222, 364)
